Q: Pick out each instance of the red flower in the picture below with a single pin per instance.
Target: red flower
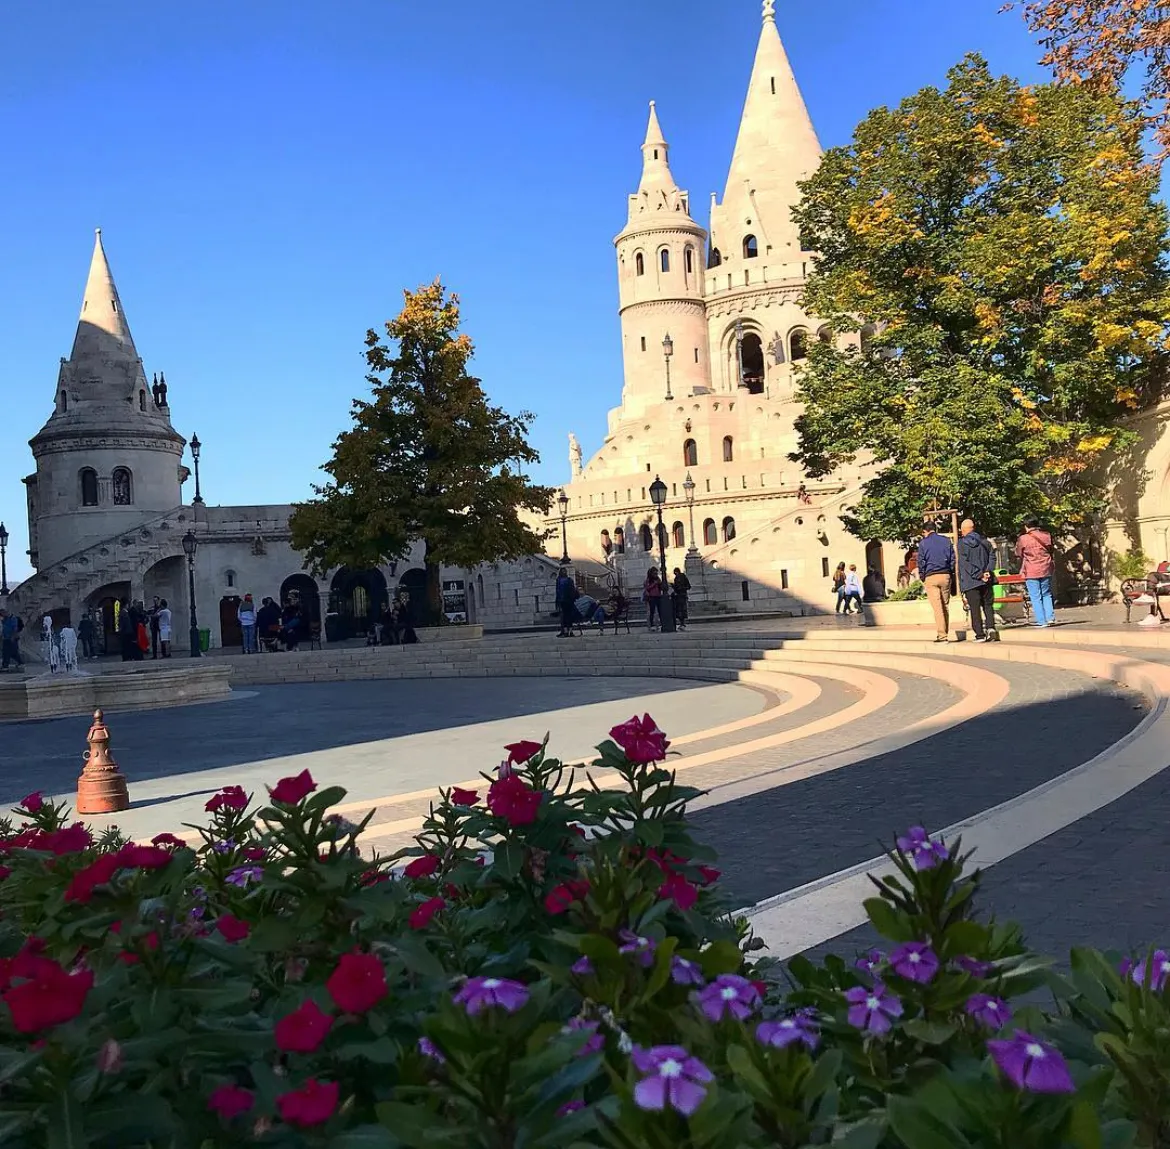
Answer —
(521, 752)
(560, 899)
(49, 997)
(302, 1030)
(422, 867)
(358, 983)
(98, 873)
(168, 840)
(255, 853)
(144, 857)
(666, 861)
(710, 874)
(230, 1101)
(312, 1104)
(680, 891)
(233, 797)
(374, 877)
(233, 929)
(148, 941)
(462, 797)
(641, 739)
(72, 840)
(514, 800)
(422, 914)
(290, 791)
(33, 802)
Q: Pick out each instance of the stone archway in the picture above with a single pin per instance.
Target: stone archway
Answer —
(356, 601)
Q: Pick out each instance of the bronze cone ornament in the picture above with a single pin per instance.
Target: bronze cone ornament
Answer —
(101, 789)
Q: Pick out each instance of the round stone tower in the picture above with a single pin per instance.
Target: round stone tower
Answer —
(660, 285)
(108, 459)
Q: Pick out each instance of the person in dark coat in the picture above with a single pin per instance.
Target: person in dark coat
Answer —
(566, 599)
(976, 559)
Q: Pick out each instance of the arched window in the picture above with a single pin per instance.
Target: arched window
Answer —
(710, 537)
(728, 529)
(798, 345)
(751, 247)
(647, 538)
(690, 454)
(678, 536)
(825, 334)
(229, 577)
(141, 400)
(89, 487)
(714, 258)
(751, 352)
(689, 259)
(664, 259)
(728, 449)
(639, 264)
(619, 540)
(123, 487)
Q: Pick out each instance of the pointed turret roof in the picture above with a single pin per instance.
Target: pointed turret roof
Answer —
(656, 174)
(657, 193)
(103, 348)
(777, 144)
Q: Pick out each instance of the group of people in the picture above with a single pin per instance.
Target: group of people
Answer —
(272, 624)
(395, 625)
(576, 607)
(975, 566)
(139, 629)
(653, 590)
(847, 589)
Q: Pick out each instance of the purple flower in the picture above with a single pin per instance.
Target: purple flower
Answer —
(582, 966)
(479, 992)
(673, 1078)
(915, 961)
(872, 1009)
(973, 966)
(581, 1025)
(570, 1107)
(224, 847)
(925, 852)
(429, 1049)
(683, 972)
(868, 963)
(728, 994)
(992, 1012)
(1031, 1064)
(1159, 963)
(242, 875)
(800, 1027)
(642, 948)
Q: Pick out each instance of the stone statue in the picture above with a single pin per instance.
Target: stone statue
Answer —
(574, 456)
(69, 649)
(162, 390)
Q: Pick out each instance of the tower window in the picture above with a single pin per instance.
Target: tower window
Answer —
(89, 487)
(122, 487)
(114, 305)
(656, 153)
(647, 538)
(689, 259)
(728, 449)
(141, 400)
(824, 567)
(751, 247)
(710, 538)
(696, 355)
(773, 85)
(728, 529)
(714, 259)
(798, 345)
(678, 537)
(64, 401)
(690, 454)
(639, 264)
(664, 259)
(230, 578)
(643, 342)
(752, 363)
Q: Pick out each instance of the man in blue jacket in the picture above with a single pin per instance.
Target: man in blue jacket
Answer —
(976, 564)
(936, 568)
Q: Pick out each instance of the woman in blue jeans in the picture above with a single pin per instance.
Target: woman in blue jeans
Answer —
(1034, 550)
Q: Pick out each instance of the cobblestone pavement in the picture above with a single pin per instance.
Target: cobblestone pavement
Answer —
(1050, 722)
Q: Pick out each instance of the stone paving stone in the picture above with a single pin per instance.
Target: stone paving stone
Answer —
(1051, 721)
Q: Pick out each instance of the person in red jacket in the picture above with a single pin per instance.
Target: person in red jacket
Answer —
(1034, 550)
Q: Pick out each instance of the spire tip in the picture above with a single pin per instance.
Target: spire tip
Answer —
(769, 11)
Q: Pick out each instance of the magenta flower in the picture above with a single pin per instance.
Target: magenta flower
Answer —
(869, 963)
(973, 966)
(242, 875)
(673, 1078)
(684, 972)
(581, 1025)
(915, 961)
(641, 948)
(581, 966)
(992, 1012)
(872, 1009)
(1159, 963)
(478, 993)
(924, 851)
(1031, 1064)
(429, 1049)
(800, 1027)
(728, 994)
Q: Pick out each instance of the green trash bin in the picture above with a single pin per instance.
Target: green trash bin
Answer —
(205, 639)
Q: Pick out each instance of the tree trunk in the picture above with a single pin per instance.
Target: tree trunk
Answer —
(434, 595)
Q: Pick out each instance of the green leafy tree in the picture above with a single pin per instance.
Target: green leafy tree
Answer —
(427, 459)
(1002, 252)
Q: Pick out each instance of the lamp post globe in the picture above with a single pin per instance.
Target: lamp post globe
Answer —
(563, 504)
(665, 607)
(190, 546)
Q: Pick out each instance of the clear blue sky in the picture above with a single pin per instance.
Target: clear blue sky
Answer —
(269, 176)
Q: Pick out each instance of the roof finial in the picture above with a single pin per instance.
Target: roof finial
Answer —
(769, 11)
(97, 231)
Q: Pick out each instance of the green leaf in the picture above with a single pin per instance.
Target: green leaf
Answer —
(417, 1126)
(365, 1137)
(65, 1126)
(919, 1128)
(740, 1063)
(864, 1135)
(330, 796)
(508, 860)
(887, 921)
(721, 957)
(383, 1051)
(930, 1032)
(1084, 1129)
(824, 1074)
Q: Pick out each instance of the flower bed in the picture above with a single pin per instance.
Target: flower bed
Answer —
(552, 966)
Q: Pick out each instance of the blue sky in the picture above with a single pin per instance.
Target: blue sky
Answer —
(269, 176)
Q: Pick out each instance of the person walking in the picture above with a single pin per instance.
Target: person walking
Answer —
(652, 596)
(565, 600)
(164, 628)
(851, 590)
(247, 616)
(1034, 550)
(681, 590)
(839, 586)
(977, 581)
(936, 568)
(85, 634)
(10, 640)
(152, 617)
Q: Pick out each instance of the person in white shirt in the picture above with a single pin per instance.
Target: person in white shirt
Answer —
(247, 617)
(851, 590)
(164, 628)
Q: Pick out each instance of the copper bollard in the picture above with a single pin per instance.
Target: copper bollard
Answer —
(101, 789)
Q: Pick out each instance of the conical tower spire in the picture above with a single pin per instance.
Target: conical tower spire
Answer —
(656, 172)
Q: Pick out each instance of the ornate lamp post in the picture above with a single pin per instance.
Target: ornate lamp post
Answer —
(563, 503)
(190, 545)
(689, 491)
(739, 351)
(195, 445)
(667, 352)
(665, 607)
(3, 559)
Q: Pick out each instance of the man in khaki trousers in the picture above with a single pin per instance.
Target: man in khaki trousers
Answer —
(936, 568)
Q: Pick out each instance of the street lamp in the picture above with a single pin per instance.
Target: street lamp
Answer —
(739, 350)
(667, 352)
(190, 545)
(3, 559)
(689, 491)
(195, 445)
(665, 607)
(563, 503)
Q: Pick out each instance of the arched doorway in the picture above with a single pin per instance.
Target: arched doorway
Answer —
(414, 583)
(356, 601)
(752, 351)
(103, 605)
(874, 582)
(230, 631)
(305, 589)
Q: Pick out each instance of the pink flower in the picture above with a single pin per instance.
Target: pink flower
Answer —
(641, 740)
(232, 928)
(231, 797)
(230, 1101)
(358, 983)
(680, 891)
(144, 857)
(521, 752)
(422, 867)
(560, 899)
(303, 1030)
(290, 791)
(461, 797)
(33, 802)
(168, 841)
(514, 800)
(313, 1104)
(421, 917)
